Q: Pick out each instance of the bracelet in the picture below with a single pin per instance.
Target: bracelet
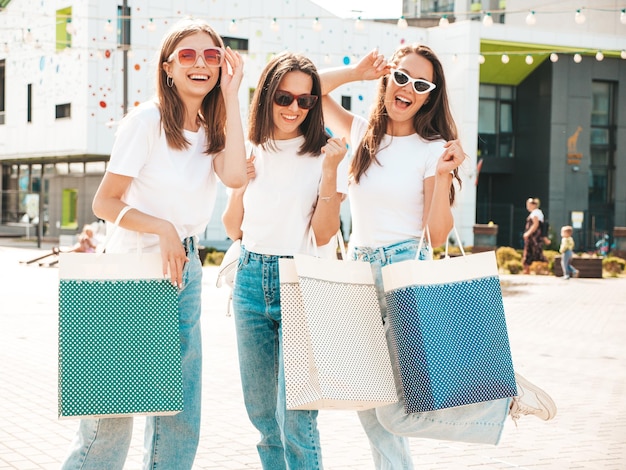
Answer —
(325, 198)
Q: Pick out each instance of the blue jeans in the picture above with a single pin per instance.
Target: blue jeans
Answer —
(289, 438)
(566, 264)
(388, 427)
(169, 441)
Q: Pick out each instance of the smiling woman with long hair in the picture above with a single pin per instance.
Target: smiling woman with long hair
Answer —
(403, 177)
(167, 156)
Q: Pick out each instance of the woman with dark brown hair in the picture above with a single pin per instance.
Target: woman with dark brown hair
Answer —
(294, 187)
(402, 179)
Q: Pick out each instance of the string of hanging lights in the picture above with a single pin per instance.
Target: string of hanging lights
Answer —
(109, 25)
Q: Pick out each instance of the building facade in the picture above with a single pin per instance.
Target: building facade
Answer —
(531, 126)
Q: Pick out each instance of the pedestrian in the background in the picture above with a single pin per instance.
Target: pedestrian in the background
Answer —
(567, 252)
(533, 238)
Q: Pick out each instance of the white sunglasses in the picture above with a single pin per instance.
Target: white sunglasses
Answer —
(420, 86)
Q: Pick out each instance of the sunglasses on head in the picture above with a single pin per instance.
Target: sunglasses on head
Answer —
(284, 98)
(420, 86)
(187, 57)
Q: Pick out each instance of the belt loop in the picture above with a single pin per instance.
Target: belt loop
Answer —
(383, 258)
(246, 255)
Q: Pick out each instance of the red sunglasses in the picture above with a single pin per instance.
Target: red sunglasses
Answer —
(284, 98)
(187, 57)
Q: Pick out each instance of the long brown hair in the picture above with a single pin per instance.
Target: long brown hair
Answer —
(261, 120)
(433, 121)
(213, 110)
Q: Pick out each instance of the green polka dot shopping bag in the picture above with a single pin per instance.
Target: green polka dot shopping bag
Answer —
(119, 345)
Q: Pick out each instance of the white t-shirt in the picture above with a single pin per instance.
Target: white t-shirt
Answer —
(388, 203)
(536, 213)
(279, 202)
(176, 185)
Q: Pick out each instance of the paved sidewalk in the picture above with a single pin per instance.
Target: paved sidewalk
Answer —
(567, 336)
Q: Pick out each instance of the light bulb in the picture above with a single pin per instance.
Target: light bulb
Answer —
(28, 37)
(317, 26)
(554, 57)
(358, 24)
(274, 26)
(108, 26)
(622, 16)
(599, 56)
(443, 22)
(578, 58)
(327, 59)
(504, 59)
(151, 25)
(531, 19)
(487, 20)
(402, 24)
(529, 59)
(69, 27)
(579, 18)
(232, 27)
(481, 59)
(623, 54)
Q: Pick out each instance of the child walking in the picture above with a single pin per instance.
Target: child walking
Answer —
(567, 251)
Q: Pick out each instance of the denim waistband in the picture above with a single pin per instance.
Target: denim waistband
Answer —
(381, 253)
(190, 244)
(250, 255)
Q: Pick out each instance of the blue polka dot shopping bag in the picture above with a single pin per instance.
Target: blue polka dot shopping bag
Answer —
(449, 332)
(119, 344)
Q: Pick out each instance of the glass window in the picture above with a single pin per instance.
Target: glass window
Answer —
(69, 208)
(346, 102)
(487, 117)
(602, 147)
(487, 91)
(506, 117)
(63, 28)
(236, 44)
(63, 110)
(2, 79)
(495, 121)
(600, 104)
(123, 26)
(29, 102)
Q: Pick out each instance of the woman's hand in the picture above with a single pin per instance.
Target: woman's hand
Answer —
(451, 158)
(372, 66)
(231, 79)
(250, 171)
(335, 149)
(173, 254)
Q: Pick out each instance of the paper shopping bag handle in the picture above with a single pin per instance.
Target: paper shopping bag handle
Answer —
(426, 233)
(102, 246)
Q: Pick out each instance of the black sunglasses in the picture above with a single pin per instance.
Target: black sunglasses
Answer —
(284, 98)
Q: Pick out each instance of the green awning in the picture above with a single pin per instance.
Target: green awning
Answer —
(516, 70)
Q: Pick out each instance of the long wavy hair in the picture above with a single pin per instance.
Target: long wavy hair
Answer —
(261, 119)
(433, 121)
(212, 115)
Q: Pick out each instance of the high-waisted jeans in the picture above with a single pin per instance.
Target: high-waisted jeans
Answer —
(289, 438)
(388, 427)
(169, 441)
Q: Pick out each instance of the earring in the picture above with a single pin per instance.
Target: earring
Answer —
(170, 81)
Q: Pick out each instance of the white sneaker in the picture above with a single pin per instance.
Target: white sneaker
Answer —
(531, 400)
